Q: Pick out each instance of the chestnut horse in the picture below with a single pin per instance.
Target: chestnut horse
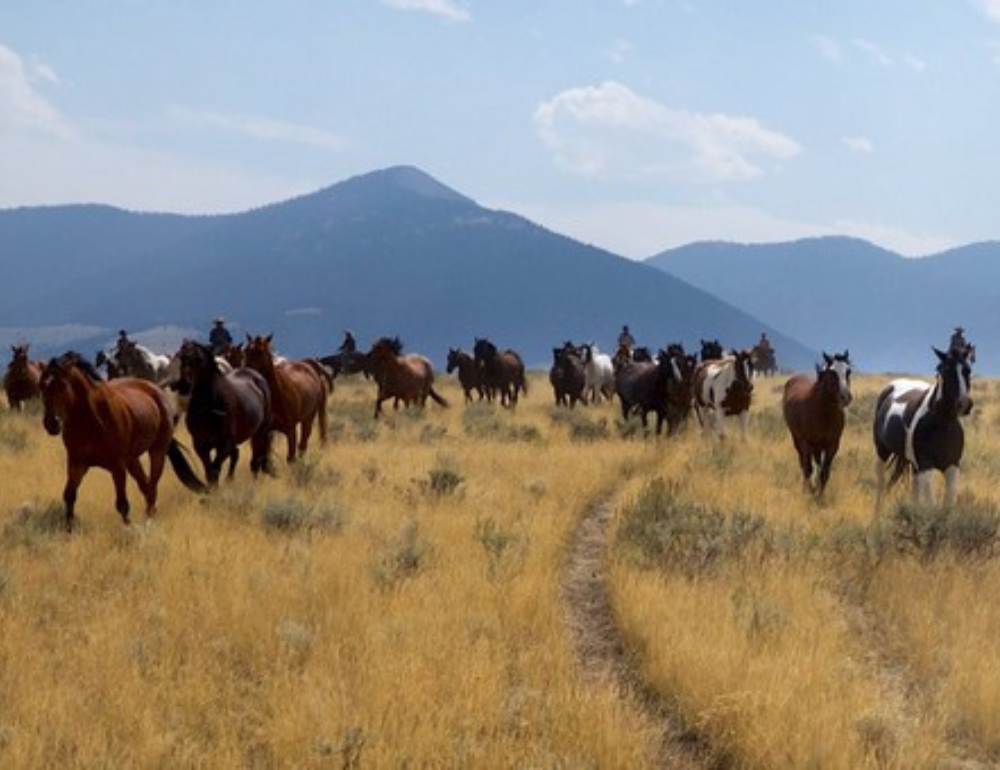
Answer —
(111, 425)
(813, 408)
(299, 391)
(408, 378)
(225, 409)
(22, 378)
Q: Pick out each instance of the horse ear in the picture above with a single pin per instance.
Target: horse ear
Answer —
(941, 355)
(269, 338)
(819, 369)
(828, 358)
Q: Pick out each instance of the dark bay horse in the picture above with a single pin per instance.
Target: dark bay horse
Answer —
(468, 373)
(500, 372)
(299, 392)
(813, 408)
(22, 378)
(917, 428)
(711, 350)
(567, 375)
(642, 387)
(406, 377)
(111, 425)
(225, 410)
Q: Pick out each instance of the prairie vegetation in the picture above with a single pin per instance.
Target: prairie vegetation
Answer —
(396, 598)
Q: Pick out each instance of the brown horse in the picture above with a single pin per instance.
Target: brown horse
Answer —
(408, 378)
(814, 412)
(500, 372)
(225, 409)
(111, 425)
(22, 378)
(468, 372)
(299, 391)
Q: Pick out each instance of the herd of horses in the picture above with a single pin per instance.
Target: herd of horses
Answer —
(246, 393)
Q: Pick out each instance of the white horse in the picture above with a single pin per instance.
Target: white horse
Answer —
(723, 387)
(599, 374)
(135, 360)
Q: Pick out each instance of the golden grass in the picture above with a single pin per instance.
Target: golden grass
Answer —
(396, 599)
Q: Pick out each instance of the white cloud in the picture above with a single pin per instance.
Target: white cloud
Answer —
(914, 62)
(445, 8)
(992, 10)
(22, 107)
(610, 131)
(860, 144)
(873, 51)
(259, 128)
(828, 47)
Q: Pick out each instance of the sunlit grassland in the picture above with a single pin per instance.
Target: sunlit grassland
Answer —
(396, 599)
(393, 599)
(804, 633)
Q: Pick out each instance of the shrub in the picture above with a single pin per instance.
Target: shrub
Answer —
(662, 530)
(403, 559)
(969, 529)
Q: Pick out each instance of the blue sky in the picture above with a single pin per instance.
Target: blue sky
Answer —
(635, 125)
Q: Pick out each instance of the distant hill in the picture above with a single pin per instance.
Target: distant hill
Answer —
(835, 293)
(390, 252)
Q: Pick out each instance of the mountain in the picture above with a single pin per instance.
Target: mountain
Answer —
(391, 252)
(834, 293)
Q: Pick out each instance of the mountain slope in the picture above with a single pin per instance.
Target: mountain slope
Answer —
(835, 293)
(391, 252)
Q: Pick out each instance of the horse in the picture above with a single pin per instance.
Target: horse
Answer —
(765, 363)
(468, 372)
(111, 425)
(346, 362)
(724, 388)
(711, 350)
(643, 387)
(500, 372)
(917, 427)
(622, 356)
(225, 409)
(813, 408)
(135, 360)
(22, 378)
(599, 374)
(299, 392)
(409, 377)
(567, 375)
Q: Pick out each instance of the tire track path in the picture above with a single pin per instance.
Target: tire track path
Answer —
(602, 651)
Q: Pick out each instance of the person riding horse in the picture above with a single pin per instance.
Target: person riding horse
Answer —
(349, 345)
(219, 338)
(625, 338)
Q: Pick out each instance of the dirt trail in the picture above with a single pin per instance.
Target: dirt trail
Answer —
(602, 651)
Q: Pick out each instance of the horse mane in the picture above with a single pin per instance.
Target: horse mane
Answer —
(72, 358)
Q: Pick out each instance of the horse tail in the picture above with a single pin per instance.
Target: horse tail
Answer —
(898, 466)
(183, 469)
(437, 397)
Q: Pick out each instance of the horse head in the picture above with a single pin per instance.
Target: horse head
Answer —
(57, 388)
(743, 368)
(711, 350)
(197, 360)
(835, 375)
(453, 359)
(955, 380)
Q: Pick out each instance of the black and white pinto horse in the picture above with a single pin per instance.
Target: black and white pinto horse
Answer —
(917, 428)
(723, 388)
(599, 374)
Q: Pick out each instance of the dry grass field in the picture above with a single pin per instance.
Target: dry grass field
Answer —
(397, 599)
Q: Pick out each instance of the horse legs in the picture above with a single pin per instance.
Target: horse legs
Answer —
(304, 433)
(234, 457)
(74, 475)
(147, 484)
(951, 486)
(290, 437)
(119, 476)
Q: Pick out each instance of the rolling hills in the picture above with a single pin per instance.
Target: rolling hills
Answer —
(389, 252)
